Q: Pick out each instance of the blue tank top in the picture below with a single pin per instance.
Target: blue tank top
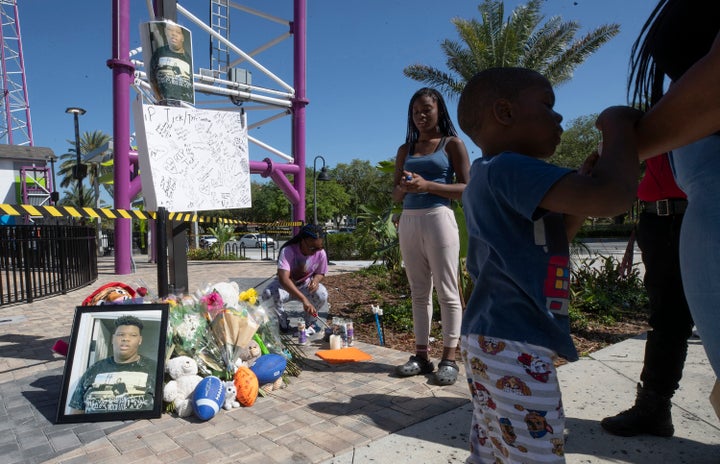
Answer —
(434, 167)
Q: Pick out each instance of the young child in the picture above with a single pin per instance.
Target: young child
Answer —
(521, 213)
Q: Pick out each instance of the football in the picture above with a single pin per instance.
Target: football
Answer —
(269, 367)
(208, 398)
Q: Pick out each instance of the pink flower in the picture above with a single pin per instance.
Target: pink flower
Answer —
(213, 302)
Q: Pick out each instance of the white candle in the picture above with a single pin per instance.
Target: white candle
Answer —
(335, 342)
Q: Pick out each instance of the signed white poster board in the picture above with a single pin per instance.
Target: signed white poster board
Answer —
(192, 159)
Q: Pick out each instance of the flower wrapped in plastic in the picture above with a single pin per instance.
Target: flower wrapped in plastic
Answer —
(230, 327)
(187, 326)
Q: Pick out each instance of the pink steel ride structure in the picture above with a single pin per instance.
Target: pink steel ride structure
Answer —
(290, 100)
(15, 125)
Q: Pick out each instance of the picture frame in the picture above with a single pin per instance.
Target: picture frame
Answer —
(168, 61)
(114, 369)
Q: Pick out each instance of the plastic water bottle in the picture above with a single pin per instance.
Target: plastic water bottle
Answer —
(302, 334)
(350, 333)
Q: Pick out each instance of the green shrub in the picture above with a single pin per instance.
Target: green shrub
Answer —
(212, 254)
(399, 316)
(341, 246)
(606, 231)
(601, 292)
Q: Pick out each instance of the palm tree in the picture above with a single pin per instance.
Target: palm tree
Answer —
(549, 48)
(71, 197)
(89, 141)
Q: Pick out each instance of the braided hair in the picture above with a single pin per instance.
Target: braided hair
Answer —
(308, 230)
(646, 80)
(444, 122)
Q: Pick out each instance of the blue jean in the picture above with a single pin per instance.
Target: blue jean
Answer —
(697, 171)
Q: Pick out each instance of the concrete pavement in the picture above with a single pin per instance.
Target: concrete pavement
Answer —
(594, 387)
(348, 413)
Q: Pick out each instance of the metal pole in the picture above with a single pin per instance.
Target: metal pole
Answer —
(315, 187)
(314, 193)
(78, 161)
(123, 75)
(299, 29)
(79, 173)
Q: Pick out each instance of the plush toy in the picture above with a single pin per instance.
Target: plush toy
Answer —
(179, 390)
(230, 293)
(113, 293)
(230, 396)
(276, 385)
(249, 354)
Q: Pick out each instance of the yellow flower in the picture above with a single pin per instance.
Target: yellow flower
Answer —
(250, 295)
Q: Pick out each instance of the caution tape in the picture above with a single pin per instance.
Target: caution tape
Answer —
(109, 213)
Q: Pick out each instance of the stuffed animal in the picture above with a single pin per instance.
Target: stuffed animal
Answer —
(277, 385)
(230, 293)
(230, 396)
(250, 354)
(112, 293)
(179, 390)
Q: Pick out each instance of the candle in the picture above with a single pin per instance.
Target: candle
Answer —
(335, 342)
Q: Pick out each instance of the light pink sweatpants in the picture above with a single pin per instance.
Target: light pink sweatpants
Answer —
(430, 247)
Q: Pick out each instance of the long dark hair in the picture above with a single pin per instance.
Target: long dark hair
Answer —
(308, 230)
(646, 80)
(444, 122)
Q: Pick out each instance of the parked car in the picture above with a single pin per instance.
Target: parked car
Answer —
(257, 241)
(206, 241)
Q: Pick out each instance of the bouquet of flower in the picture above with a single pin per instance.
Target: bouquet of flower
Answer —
(187, 326)
(217, 323)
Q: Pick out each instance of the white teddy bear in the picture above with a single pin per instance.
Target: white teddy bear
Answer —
(230, 293)
(179, 391)
(230, 396)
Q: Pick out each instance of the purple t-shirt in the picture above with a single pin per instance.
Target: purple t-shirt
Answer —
(302, 267)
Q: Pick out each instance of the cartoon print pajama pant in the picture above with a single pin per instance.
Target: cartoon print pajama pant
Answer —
(517, 406)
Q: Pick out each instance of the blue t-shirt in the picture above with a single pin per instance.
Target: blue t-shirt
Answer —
(434, 167)
(518, 254)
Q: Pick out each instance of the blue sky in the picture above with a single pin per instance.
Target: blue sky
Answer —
(356, 54)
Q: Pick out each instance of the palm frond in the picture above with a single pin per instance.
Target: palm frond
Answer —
(524, 39)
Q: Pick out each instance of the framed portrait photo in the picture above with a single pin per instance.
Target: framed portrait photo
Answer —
(168, 61)
(115, 364)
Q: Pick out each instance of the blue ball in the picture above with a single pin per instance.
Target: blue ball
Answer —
(208, 398)
(269, 367)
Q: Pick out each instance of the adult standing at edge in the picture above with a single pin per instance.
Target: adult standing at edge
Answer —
(662, 206)
(681, 41)
(431, 169)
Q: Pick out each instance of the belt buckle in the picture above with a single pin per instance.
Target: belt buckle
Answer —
(663, 207)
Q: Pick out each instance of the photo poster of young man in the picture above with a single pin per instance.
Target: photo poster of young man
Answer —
(167, 54)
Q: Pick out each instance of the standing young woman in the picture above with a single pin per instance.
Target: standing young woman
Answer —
(431, 169)
(681, 42)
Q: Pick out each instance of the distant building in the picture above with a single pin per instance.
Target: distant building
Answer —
(25, 176)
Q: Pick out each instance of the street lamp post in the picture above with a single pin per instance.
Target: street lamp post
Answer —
(79, 174)
(323, 176)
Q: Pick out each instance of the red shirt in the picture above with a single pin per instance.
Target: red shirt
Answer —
(658, 182)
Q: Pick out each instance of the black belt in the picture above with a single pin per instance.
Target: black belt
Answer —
(665, 207)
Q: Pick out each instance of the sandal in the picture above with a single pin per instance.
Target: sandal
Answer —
(415, 366)
(447, 372)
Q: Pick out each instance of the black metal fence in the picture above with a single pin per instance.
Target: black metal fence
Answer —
(42, 260)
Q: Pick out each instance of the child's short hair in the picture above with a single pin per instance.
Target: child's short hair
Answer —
(487, 86)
